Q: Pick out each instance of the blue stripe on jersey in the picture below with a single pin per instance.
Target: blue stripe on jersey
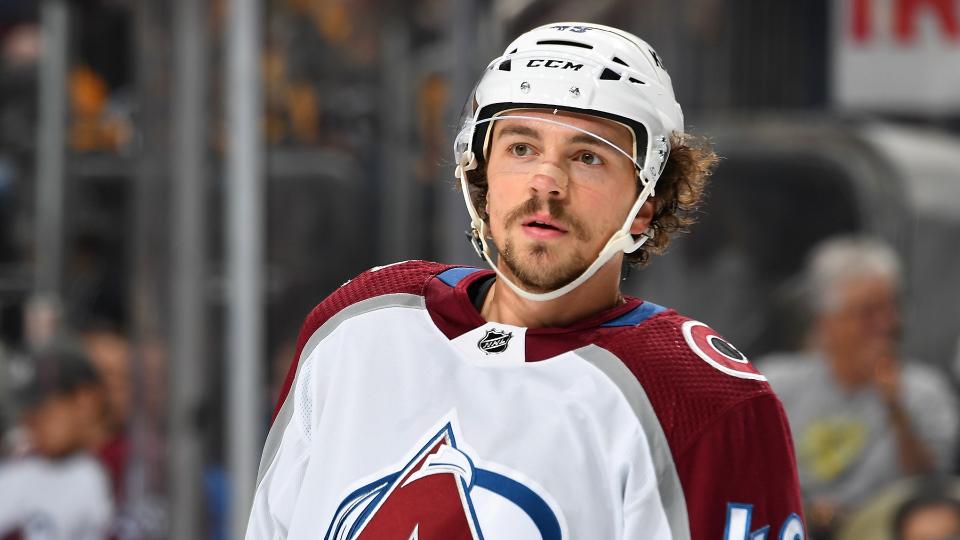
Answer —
(636, 315)
(453, 276)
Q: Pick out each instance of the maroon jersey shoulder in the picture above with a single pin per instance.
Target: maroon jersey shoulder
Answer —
(690, 373)
(726, 429)
(409, 277)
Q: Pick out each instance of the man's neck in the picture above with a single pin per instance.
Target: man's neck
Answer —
(600, 292)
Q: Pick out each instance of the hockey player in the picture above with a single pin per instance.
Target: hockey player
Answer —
(535, 401)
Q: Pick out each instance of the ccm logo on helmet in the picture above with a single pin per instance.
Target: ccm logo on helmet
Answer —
(718, 352)
(556, 64)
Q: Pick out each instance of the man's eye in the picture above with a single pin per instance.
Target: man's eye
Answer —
(520, 149)
(590, 158)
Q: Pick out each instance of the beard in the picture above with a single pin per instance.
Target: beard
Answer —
(532, 266)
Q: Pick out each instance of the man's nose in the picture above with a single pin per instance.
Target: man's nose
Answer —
(549, 179)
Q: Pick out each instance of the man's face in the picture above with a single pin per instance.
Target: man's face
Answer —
(865, 326)
(555, 195)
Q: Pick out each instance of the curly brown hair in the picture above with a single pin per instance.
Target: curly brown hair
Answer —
(679, 192)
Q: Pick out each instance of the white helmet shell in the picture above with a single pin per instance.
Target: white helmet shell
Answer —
(586, 68)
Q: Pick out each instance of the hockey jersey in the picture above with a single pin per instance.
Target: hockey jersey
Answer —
(406, 415)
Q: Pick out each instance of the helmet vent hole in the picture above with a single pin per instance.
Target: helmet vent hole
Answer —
(621, 62)
(513, 51)
(636, 81)
(504, 66)
(609, 75)
(564, 42)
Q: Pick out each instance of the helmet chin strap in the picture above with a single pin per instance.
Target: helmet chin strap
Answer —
(619, 241)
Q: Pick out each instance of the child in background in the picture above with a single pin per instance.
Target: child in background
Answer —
(57, 489)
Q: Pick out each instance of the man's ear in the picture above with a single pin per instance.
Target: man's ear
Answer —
(643, 218)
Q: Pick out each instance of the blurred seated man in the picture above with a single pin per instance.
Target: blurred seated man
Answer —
(58, 490)
(928, 516)
(861, 415)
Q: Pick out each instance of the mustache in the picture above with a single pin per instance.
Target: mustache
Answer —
(555, 208)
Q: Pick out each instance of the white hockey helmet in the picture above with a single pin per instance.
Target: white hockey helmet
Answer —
(583, 68)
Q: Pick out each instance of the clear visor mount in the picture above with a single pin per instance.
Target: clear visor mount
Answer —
(620, 241)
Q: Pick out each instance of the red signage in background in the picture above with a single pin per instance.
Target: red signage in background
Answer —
(905, 14)
(897, 55)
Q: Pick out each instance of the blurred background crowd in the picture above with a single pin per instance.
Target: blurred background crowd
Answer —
(828, 250)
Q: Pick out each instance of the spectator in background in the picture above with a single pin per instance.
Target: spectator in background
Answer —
(928, 516)
(861, 415)
(109, 353)
(58, 490)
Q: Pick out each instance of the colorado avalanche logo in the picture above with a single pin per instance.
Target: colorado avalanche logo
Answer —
(495, 341)
(431, 497)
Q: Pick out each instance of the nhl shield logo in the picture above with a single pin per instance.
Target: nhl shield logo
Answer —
(495, 341)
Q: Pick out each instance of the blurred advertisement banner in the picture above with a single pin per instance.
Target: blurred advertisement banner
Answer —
(898, 56)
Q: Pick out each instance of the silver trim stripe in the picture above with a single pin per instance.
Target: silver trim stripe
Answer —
(668, 481)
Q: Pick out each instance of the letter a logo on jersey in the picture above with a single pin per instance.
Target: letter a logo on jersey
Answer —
(429, 498)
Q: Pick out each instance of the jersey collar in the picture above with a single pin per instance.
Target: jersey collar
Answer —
(453, 312)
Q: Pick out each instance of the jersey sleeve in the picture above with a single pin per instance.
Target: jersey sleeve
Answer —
(739, 475)
(282, 472)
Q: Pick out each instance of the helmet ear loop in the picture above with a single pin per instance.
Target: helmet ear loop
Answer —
(661, 153)
(478, 226)
(645, 194)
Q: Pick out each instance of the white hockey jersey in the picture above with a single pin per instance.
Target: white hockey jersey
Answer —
(409, 416)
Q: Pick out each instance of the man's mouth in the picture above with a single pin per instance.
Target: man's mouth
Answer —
(543, 223)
